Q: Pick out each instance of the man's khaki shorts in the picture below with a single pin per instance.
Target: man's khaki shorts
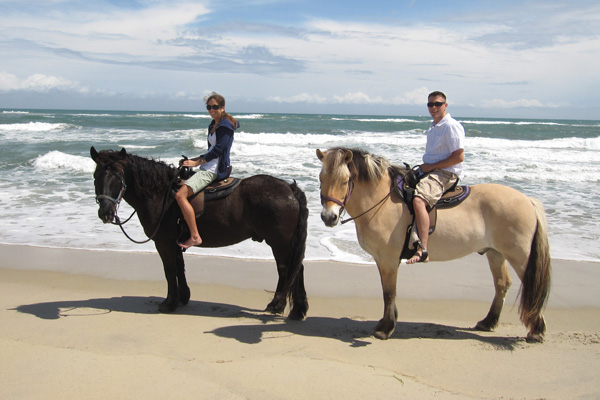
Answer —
(432, 186)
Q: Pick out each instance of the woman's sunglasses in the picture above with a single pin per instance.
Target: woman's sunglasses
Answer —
(214, 107)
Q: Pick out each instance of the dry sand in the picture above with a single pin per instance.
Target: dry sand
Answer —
(84, 324)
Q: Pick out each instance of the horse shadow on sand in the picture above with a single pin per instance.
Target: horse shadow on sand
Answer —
(355, 332)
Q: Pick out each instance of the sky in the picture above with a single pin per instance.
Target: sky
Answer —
(514, 59)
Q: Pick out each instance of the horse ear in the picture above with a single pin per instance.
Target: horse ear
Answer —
(320, 155)
(348, 156)
(94, 154)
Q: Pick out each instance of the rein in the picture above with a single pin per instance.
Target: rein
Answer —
(343, 203)
(370, 209)
(117, 201)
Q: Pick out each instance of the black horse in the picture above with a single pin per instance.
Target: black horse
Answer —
(262, 207)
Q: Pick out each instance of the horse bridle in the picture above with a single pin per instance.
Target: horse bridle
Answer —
(117, 201)
(342, 204)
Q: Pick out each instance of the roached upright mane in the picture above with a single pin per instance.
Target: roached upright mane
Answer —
(364, 166)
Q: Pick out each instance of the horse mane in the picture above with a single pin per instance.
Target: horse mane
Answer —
(150, 176)
(364, 166)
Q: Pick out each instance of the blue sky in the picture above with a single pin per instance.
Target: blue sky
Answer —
(535, 59)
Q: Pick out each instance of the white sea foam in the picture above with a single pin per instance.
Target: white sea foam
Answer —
(56, 160)
(35, 127)
(249, 116)
(484, 122)
(395, 120)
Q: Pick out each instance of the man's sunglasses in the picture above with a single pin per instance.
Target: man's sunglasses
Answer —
(435, 104)
(214, 107)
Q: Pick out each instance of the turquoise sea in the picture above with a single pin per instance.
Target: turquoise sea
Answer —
(47, 194)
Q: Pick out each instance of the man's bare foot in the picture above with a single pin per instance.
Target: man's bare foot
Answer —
(191, 242)
(420, 256)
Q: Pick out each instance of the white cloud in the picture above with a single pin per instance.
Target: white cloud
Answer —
(38, 83)
(413, 97)
(499, 103)
(300, 98)
(357, 98)
(348, 98)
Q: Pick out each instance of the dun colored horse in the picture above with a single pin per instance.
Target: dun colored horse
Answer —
(494, 220)
(262, 207)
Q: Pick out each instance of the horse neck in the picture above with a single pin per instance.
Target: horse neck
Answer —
(366, 194)
(146, 204)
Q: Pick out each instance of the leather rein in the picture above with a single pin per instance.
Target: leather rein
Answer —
(342, 204)
(117, 202)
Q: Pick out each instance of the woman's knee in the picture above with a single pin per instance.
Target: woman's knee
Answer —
(182, 194)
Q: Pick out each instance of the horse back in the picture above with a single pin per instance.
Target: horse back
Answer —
(262, 207)
(498, 212)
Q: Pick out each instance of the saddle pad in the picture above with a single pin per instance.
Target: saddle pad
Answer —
(453, 197)
(214, 191)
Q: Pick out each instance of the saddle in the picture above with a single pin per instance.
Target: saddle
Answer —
(404, 187)
(215, 191)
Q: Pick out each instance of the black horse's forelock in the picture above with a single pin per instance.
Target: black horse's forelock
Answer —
(364, 166)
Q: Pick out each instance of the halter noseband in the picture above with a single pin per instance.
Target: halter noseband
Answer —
(112, 199)
(340, 203)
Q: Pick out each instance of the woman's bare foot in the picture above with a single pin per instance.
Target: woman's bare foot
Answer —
(191, 242)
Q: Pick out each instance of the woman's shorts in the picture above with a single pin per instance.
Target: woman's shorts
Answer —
(432, 186)
(200, 180)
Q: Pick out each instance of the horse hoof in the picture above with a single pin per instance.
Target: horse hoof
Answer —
(275, 308)
(167, 308)
(482, 326)
(185, 298)
(297, 315)
(535, 338)
(380, 335)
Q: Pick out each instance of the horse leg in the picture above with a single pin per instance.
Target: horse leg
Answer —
(182, 286)
(387, 324)
(502, 283)
(295, 290)
(300, 301)
(277, 305)
(168, 255)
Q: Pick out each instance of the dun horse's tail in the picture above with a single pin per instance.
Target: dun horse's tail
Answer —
(536, 282)
(295, 282)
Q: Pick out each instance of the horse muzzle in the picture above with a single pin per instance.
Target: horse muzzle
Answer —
(106, 212)
(330, 217)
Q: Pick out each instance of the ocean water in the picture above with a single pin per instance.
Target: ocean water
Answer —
(47, 193)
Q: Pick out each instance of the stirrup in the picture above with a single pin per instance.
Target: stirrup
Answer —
(424, 255)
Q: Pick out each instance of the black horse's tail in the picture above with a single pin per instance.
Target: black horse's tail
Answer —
(295, 290)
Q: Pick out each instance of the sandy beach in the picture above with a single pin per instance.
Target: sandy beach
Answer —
(84, 324)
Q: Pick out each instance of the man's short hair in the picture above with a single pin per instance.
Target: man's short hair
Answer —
(436, 94)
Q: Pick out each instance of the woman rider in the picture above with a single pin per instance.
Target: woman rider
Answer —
(213, 164)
